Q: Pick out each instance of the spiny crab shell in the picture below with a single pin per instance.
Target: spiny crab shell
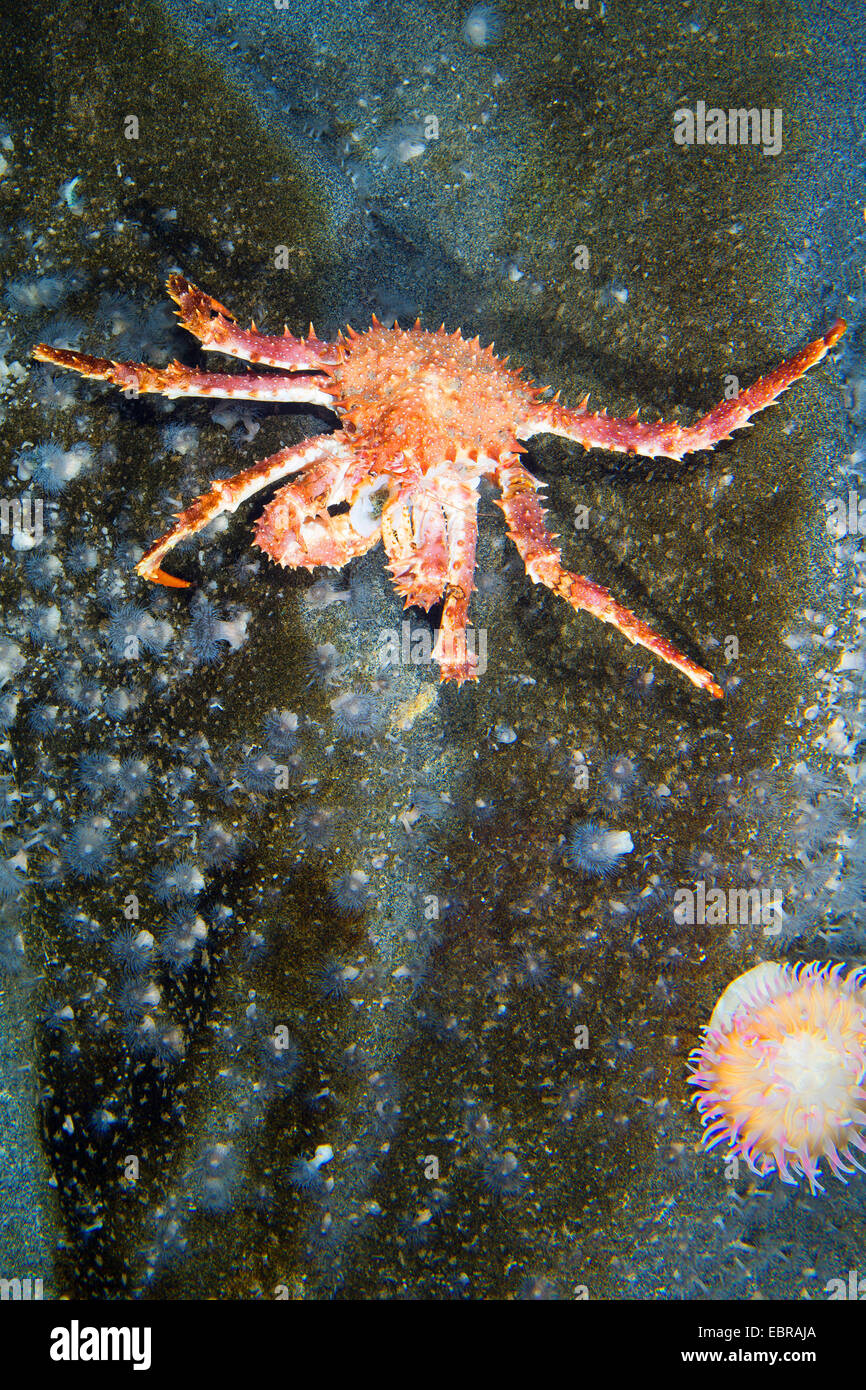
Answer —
(424, 416)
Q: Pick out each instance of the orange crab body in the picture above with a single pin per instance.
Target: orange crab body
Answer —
(423, 417)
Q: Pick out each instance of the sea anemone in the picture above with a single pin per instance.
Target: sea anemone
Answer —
(218, 1177)
(482, 27)
(26, 296)
(43, 570)
(81, 558)
(116, 312)
(180, 439)
(781, 1067)
(533, 971)
(83, 696)
(132, 949)
(97, 773)
(12, 957)
(42, 719)
(281, 730)
(9, 709)
(355, 716)
(308, 1178)
(12, 875)
(349, 893)
(135, 998)
(132, 782)
(87, 929)
(57, 1015)
(56, 466)
(620, 775)
(180, 942)
(335, 980)
(280, 1057)
(119, 703)
(220, 847)
(595, 851)
(88, 848)
(502, 1174)
(132, 628)
(325, 665)
(182, 879)
(207, 630)
(44, 626)
(254, 947)
(101, 1122)
(11, 660)
(260, 773)
(314, 826)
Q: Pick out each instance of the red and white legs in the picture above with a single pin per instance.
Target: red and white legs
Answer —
(216, 329)
(668, 439)
(527, 528)
(177, 380)
(227, 495)
(296, 528)
(303, 360)
(456, 661)
(430, 538)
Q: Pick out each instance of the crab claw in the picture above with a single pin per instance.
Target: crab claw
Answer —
(160, 576)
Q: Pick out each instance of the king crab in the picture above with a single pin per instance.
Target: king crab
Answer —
(424, 417)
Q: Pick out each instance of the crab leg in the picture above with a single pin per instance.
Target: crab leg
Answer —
(216, 329)
(415, 540)
(456, 662)
(670, 440)
(176, 380)
(526, 527)
(295, 528)
(226, 495)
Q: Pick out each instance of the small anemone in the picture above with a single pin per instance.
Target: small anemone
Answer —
(356, 715)
(259, 772)
(502, 1174)
(220, 847)
(207, 631)
(183, 879)
(349, 892)
(97, 774)
(596, 851)
(132, 949)
(56, 466)
(88, 847)
(12, 878)
(181, 942)
(132, 628)
(281, 730)
(42, 719)
(335, 980)
(314, 826)
(43, 570)
(9, 709)
(324, 665)
(620, 774)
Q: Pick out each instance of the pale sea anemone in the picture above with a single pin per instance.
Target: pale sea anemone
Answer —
(781, 1068)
